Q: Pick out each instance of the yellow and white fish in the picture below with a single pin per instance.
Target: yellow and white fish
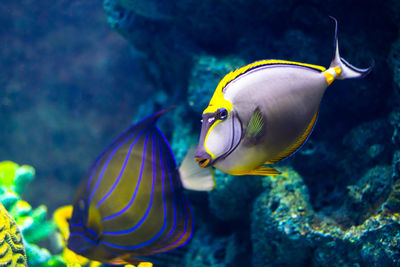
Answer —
(264, 112)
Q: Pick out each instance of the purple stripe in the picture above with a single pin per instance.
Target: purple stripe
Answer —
(84, 237)
(93, 171)
(174, 200)
(184, 233)
(164, 207)
(171, 155)
(137, 186)
(105, 166)
(121, 172)
(140, 222)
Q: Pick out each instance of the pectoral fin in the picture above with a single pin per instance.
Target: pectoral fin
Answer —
(256, 126)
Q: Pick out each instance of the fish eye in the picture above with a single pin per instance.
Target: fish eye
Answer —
(201, 121)
(223, 114)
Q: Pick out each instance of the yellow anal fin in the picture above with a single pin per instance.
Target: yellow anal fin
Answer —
(293, 148)
(262, 170)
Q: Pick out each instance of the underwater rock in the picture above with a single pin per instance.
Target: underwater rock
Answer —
(368, 144)
(153, 9)
(280, 219)
(371, 191)
(284, 224)
(233, 196)
(207, 250)
(394, 61)
(204, 78)
(12, 252)
(393, 201)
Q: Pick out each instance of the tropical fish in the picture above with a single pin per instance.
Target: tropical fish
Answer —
(264, 112)
(131, 203)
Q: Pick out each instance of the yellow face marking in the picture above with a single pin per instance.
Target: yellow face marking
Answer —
(205, 140)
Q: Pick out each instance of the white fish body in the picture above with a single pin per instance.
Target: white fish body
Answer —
(264, 112)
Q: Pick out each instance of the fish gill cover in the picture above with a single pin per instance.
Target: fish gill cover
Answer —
(69, 84)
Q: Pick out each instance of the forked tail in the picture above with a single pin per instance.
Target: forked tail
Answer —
(340, 68)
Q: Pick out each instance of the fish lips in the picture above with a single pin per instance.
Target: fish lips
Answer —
(204, 160)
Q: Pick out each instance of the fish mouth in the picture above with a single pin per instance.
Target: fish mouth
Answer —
(203, 163)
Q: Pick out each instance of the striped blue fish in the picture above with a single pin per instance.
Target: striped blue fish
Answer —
(131, 202)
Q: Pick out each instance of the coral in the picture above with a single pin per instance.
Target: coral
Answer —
(283, 223)
(31, 222)
(12, 252)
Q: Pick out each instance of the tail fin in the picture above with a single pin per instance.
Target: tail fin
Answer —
(345, 70)
(192, 176)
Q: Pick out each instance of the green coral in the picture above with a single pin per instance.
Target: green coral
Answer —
(32, 222)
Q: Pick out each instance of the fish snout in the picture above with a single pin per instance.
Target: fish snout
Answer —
(203, 159)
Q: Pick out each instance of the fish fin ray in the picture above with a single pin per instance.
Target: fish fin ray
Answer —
(298, 144)
(256, 125)
(194, 177)
(263, 170)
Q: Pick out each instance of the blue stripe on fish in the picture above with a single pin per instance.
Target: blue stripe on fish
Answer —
(173, 201)
(140, 222)
(121, 172)
(106, 164)
(136, 189)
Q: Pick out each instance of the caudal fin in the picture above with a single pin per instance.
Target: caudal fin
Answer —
(342, 68)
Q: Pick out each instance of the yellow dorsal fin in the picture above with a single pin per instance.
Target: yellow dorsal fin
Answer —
(218, 100)
(234, 74)
(298, 143)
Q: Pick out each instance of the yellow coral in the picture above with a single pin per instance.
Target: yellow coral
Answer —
(7, 172)
(71, 258)
(12, 252)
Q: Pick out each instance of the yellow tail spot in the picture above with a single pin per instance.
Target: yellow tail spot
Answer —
(337, 70)
(329, 77)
